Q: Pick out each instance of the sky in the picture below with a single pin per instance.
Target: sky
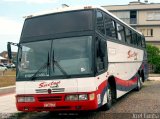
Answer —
(13, 11)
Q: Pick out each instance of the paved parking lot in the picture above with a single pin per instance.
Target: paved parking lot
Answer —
(133, 105)
(7, 103)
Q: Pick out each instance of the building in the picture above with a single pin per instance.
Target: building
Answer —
(3, 60)
(4, 54)
(143, 16)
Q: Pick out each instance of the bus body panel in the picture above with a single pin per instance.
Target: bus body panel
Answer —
(124, 62)
(96, 85)
(64, 86)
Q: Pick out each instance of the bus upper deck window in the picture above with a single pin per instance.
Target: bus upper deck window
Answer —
(100, 23)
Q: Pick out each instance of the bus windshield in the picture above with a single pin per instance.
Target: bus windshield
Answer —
(73, 56)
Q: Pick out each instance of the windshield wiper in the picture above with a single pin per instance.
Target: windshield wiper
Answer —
(40, 70)
(60, 68)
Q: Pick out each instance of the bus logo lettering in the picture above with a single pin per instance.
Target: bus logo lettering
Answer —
(132, 54)
(51, 84)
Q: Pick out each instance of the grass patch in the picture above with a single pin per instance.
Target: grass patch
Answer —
(8, 79)
(10, 72)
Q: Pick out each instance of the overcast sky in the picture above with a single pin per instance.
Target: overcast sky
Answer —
(12, 12)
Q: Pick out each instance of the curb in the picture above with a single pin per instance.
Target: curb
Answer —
(154, 75)
(6, 90)
(154, 78)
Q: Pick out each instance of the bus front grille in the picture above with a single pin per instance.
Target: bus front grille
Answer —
(50, 98)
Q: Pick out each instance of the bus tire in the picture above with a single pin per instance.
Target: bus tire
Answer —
(139, 83)
(109, 97)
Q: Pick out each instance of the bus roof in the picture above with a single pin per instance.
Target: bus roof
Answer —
(65, 9)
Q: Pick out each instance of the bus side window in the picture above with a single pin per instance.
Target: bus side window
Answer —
(139, 41)
(128, 36)
(120, 32)
(100, 23)
(99, 58)
(109, 27)
(134, 38)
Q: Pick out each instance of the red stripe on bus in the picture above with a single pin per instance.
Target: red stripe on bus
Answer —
(126, 83)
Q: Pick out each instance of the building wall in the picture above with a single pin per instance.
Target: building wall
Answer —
(137, 6)
(149, 17)
(146, 32)
(123, 15)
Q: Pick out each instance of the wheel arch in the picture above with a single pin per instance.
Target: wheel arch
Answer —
(112, 82)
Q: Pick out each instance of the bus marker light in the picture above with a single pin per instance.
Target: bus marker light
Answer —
(98, 98)
(91, 96)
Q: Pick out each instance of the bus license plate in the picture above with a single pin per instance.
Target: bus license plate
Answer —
(49, 104)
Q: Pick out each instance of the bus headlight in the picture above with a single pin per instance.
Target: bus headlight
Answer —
(83, 97)
(25, 99)
(71, 97)
(76, 97)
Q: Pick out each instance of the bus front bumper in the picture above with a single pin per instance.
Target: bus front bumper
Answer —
(44, 103)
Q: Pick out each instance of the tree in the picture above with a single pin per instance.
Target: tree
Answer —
(154, 57)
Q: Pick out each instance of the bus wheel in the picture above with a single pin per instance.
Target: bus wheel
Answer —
(109, 92)
(139, 83)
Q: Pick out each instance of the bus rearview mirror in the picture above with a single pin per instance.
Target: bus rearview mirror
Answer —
(9, 50)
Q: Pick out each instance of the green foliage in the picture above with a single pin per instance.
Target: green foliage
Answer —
(154, 57)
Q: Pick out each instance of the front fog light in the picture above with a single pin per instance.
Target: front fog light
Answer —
(83, 97)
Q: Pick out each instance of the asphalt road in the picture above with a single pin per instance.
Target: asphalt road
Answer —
(7, 90)
(134, 105)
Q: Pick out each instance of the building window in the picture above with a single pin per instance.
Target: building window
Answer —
(147, 32)
(133, 17)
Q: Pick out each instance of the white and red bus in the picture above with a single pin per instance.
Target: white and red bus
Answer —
(77, 59)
